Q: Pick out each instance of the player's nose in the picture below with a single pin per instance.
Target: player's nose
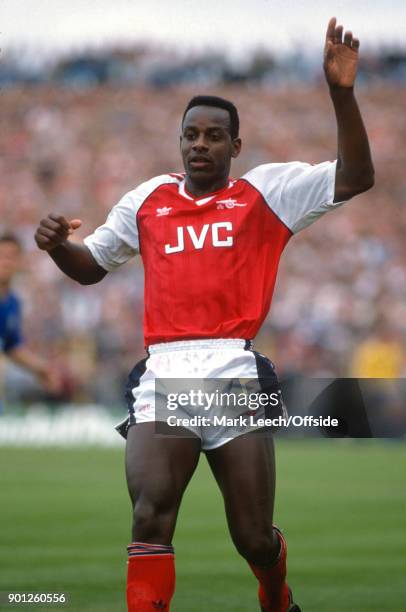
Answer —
(200, 143)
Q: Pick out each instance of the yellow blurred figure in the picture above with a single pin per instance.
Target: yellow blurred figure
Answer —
(378, 357)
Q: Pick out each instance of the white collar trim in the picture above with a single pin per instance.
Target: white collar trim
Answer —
(201, 201)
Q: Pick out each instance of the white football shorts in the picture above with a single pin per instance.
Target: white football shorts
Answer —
(213, 389)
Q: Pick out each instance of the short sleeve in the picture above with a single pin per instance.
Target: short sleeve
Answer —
(297, 192)
(116, 241)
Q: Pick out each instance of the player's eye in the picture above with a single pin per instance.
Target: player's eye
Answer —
(190, 135)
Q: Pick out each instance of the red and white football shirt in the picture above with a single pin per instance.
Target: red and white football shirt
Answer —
(210, 263)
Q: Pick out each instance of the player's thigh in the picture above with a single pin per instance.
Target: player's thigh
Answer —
(245, 471)
(159, 467)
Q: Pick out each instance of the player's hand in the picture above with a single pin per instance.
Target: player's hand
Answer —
(52, 381)
(54, 230)
(340, 56)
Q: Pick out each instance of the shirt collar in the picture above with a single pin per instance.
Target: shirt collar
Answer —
(205, 199)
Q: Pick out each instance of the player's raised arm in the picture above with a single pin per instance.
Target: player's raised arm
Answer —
(355, 172)
(75, 260)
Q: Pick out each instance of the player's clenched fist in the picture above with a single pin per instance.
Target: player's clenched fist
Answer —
(54, 230)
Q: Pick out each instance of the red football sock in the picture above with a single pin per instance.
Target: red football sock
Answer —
(273, 592)
(150, 578)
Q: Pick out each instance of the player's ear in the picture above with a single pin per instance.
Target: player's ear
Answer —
(236, 147)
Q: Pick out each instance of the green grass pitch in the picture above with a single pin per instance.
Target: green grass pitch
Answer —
(65, 517)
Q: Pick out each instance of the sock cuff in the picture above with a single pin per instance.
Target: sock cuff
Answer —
(144, 549)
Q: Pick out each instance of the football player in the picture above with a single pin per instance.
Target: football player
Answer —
(210, 247)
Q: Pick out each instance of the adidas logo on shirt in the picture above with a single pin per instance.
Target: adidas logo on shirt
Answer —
(161, 212)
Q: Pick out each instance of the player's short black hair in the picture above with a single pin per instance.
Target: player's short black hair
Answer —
(9, 237)
(217, 102)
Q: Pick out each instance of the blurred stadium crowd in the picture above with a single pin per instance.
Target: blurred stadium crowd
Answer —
(75, 146)
(157, 67)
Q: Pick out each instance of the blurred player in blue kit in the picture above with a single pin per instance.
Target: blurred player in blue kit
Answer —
(210, 246)
(11, 337)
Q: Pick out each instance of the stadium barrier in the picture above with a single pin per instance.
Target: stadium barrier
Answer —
(89, 425)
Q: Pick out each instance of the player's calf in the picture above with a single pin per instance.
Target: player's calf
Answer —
(260, 549)
(274, 594)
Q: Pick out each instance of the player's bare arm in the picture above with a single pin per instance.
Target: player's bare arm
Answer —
(355, 172)
(75, 260)
(47, 375)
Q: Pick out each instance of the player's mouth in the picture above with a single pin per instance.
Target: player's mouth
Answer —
(200, 163)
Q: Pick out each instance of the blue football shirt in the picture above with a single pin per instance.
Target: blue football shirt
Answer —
(10, 322)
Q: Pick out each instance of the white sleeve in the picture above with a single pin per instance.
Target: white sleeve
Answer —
(298, 193)
(117, 240)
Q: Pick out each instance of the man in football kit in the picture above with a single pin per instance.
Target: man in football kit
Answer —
(210, 247)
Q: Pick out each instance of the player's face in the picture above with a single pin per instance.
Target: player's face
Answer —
(207, 148)
(10, 261)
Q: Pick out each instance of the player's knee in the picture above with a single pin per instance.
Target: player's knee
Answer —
(153, 521)
(260, 549)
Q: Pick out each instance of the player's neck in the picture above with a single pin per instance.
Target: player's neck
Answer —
(200, 190)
